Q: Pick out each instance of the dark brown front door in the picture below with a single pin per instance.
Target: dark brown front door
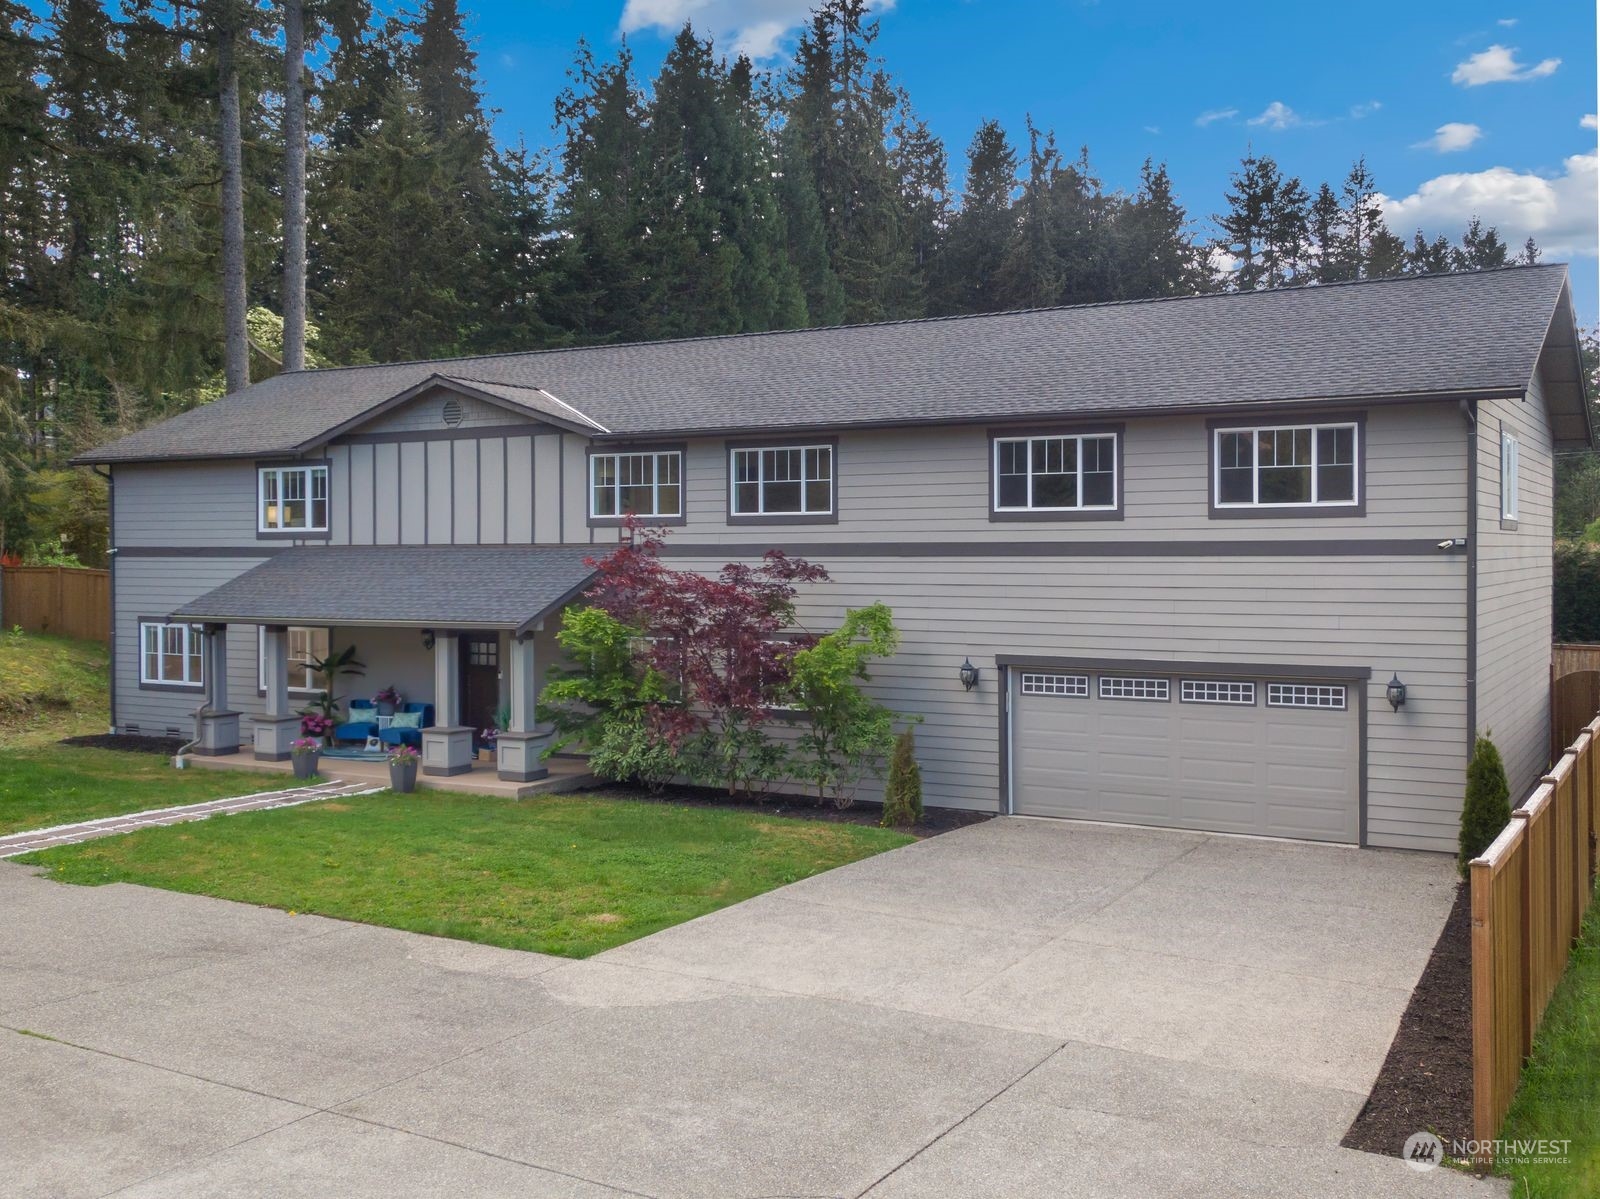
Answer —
(480, 681)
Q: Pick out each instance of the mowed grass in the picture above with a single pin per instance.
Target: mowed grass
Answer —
(569, 875)
(61, 784)
(50, 688)
(1559, 1096)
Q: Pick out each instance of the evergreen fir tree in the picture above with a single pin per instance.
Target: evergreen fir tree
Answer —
(1246, 225)
(1424, 257)
(966, 274)
(1487, 806)
(1323, 225)
(1154, 254)
(1481, 248)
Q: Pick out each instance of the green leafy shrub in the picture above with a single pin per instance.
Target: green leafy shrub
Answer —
(627, 751)
(902, 797)
(1577, 591)
(846, 734)
(1487, 807)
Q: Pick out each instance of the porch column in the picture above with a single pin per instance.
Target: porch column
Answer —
(275, 730)
(518, 748)
(219, 726)
(447, 746)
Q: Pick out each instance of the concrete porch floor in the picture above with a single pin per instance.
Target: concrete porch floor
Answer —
(566, 774)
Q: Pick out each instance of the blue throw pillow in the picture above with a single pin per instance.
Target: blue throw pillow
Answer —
(406, 720)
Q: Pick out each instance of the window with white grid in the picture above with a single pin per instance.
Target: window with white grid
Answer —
(1305, 695)
(1208, 691)
(1055, 684)
(1115, 687)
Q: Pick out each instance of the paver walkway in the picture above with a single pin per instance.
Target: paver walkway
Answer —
(86, 830)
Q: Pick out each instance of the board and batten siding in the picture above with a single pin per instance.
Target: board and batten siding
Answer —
(1515, 573)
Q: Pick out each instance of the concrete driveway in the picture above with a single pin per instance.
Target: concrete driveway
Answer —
(1021, 1008)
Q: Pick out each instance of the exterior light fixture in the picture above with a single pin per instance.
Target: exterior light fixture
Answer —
(1396, 692)
(427, 639)
(969, 675)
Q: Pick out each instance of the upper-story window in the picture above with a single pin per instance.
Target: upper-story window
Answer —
(1509, 462)
(1286, 466)
(1075, 472)
(794, 481)
(292, 499)
(636, 483)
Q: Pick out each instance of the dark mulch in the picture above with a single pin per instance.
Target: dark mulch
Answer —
(1426, 1081)
(127, 742)
(934, 820)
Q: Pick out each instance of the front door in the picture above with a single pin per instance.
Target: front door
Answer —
(480, 681)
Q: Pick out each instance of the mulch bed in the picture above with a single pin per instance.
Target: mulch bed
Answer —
(934, 820)
(128, 743)
(1426, 1081)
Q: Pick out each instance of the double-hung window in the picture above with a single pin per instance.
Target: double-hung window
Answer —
(1071, 472)
(794, 481)
(1286, 466)
(305, 646)
(646, 483)
(292, 499)
(171, 654)
(1509, 462)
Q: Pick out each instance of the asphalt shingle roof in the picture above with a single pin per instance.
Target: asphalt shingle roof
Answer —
(503, 587)
(1427, 334)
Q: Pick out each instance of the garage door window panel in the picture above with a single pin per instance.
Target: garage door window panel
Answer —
(1120, 687)
(1307, 695)
(1074, 686)
(1212, 691)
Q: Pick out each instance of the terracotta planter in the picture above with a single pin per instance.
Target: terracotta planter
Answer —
(403, 776)
(305, 765)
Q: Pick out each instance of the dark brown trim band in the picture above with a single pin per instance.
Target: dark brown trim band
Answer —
(1386, 547)
(199, 551)
(461, 433)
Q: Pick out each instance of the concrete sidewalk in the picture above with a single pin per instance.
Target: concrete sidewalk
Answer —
(1020, 1008)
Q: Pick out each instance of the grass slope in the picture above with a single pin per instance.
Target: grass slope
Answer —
(50, 688)
(564, 875)
(1559, 1096)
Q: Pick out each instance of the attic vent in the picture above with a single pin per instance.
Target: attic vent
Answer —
(452, 413)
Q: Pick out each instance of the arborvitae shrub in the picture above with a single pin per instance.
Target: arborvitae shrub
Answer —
(902, 797)
(1487, 808)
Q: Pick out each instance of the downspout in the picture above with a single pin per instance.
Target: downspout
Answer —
(1470, 413)
(111, 576)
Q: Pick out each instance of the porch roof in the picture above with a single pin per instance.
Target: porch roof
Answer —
(483, 587)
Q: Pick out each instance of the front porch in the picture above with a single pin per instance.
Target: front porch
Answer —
(480, 778)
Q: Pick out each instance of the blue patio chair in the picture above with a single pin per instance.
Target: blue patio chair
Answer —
(363, 722)
(409, 736)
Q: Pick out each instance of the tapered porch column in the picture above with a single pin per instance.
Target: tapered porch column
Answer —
(447, 746)
(277, 729)
(519, 747)
(219, 726)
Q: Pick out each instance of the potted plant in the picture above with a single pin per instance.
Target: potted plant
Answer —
(388, 700)
(304, 752)
(314, 725)
(403, 761)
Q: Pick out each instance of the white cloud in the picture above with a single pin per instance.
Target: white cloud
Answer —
(757, 28)
(1152, 128)
(1276, 115)
(1506, 22)
(1358, 111)
(1212, 115)
(1589, 121)
(1498, 64)
(1558, 211)
(1452, 135)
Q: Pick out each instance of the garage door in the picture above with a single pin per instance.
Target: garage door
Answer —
(1280, 758)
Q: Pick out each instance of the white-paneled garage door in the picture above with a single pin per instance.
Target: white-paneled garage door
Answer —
(1276, 757)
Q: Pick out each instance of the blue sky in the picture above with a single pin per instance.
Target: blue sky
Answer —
(1460, 107)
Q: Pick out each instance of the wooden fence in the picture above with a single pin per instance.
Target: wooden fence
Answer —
(1574, 699)
(1529, 893)
(64, 600)
(1569, 657)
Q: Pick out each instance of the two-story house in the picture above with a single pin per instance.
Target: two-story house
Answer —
(1257, 563)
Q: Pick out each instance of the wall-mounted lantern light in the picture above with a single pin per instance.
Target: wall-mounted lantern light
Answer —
(1397, 693)
(427, 640)
(969, 675)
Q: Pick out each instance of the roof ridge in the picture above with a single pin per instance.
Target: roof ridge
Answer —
(1307, 288)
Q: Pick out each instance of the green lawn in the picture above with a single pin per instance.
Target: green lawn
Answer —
(1559, 1096)
(50, 688)
(59, 784)
(568, 875)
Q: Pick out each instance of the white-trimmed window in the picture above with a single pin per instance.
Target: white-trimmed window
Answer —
(1510, 460)
(644, 484)
(1212, 691)
(1306, 695)
(171, 654)
(1071, 685)
(1068, 473)
(1286, 466)
(794, 480)
(305, 646)
(1120, 687)
(292, 499)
